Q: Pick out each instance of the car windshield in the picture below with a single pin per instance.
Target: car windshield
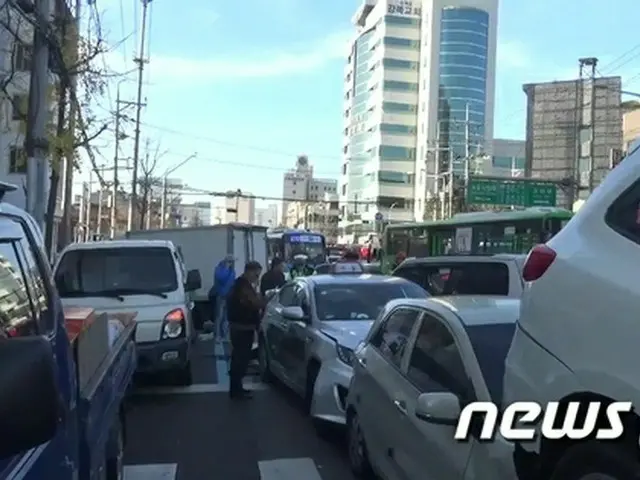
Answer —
(310, 245)
(360, 301)
(491, 344)
(101, 271)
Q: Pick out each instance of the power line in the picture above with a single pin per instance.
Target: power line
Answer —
(233, 144)
(245, 165)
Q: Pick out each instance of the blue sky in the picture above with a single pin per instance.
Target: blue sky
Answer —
(249, 85)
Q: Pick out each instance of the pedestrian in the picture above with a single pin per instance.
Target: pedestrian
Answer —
(223, 279)
(245, 307)
(300, 267)
(274, 278)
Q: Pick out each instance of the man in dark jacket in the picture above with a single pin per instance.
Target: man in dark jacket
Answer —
(245, 306)
(274, 278)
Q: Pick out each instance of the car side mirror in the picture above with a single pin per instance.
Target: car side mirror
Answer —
(295, 314)
(439, 408)
(194, 281)
(30, 406)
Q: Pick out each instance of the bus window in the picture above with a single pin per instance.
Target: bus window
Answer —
(418, 243)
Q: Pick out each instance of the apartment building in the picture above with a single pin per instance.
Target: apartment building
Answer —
(16, 50)
(420, 79)
(240, 208)
(299, 184)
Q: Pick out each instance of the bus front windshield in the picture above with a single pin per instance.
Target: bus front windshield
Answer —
(310, 245)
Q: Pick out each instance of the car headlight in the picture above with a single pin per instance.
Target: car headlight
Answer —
(345, 354)
(173, 324)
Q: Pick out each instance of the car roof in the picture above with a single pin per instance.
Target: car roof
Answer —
(104, 244)
(506, 257)
(472, 310)
(350, 279)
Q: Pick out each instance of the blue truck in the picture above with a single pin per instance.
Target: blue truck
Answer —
(53, 425)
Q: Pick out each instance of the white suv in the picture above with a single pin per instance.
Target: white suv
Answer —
(578, 335)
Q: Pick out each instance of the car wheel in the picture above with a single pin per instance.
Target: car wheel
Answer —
(598, 461)
(263, 362)
(184, 376)
(114, 468)
(357, 449)
(312, 375)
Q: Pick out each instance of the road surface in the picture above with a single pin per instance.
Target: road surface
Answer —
(196, 433)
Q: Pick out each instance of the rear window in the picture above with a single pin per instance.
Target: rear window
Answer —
(116, 270)
(459, 278)
(360, 301)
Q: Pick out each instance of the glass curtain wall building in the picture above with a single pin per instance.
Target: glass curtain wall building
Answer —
(417, 79)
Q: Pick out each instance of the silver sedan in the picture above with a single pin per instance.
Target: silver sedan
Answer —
(310, 329)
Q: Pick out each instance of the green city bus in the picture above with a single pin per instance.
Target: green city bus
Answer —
(476, 233)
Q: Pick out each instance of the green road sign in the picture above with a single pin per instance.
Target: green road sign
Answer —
(516, 192)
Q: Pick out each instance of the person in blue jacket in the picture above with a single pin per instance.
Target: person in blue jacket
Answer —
(223, 279)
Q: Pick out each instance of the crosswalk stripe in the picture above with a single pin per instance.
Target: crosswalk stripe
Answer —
(289, 469)
(158, 471)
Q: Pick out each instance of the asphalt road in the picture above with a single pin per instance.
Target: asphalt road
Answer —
(197, 433)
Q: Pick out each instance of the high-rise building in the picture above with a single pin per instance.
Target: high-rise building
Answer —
(299, 185)
(240, 209)
(420, 79)
(267, 216)
(559, 145)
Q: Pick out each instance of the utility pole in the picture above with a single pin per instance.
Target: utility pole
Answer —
(114, 188)
(163, 203)
(36, 142)
(99, 212)
(133, 201)
(66, 232)
(89, 206)
(591, 62)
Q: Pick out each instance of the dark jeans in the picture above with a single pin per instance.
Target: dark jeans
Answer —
(241, 344)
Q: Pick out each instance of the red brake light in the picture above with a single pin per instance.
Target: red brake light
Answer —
(538, 262)
(176, 315)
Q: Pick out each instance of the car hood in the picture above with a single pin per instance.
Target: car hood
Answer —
(347, 332)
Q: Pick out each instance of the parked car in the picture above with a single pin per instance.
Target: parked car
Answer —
(499, 274)
(422, 361)
(577, 337)
(145, 276)
(310, 329)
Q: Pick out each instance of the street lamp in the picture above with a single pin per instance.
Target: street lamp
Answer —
(163, 206)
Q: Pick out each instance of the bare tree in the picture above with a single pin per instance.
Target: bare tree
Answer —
(148, 181)
(71, 55)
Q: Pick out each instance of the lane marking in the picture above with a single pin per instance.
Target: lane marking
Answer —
(289, 469)
(222, 365)
(198, 388)
(158, 471)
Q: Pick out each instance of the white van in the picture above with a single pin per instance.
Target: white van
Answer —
(145, 276)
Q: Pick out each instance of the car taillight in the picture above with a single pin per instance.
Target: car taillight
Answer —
(538, 262)
(173, 324)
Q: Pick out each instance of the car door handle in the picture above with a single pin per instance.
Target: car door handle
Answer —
(361, 361)
(401, 405)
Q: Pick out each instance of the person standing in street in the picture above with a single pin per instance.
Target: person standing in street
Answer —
(245, 306)
(223, 279)
(274, 278)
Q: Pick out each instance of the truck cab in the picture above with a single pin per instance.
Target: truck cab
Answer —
(61, 407)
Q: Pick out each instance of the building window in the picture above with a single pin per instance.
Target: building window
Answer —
(400, 86)
(395, 63)
(401, 42)
(401, 21)
(17, 160)
(385, 176)
(396, 128)
(22, 55)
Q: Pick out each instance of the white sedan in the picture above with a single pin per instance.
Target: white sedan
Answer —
(421, 362)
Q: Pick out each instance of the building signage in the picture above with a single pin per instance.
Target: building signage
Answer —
(404, 8)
